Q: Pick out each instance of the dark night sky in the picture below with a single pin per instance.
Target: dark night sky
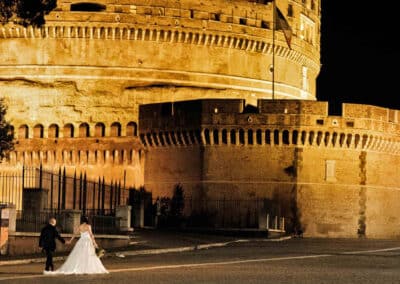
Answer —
(359, 55)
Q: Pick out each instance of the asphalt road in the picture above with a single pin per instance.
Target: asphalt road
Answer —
(290, 261)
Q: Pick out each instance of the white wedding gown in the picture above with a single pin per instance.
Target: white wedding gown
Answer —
(82, 259)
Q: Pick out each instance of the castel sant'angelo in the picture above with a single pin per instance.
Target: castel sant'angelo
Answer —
(162, 92)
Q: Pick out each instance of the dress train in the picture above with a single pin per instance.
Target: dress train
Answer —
(82, 259)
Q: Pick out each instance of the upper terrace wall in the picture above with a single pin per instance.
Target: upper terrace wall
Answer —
(292, 114)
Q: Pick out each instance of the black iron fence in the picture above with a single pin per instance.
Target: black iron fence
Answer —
(35, 222)
(39, 194)
(11, 184)
(223, 213)
(77, 192)
(101, 224)
(57, 191)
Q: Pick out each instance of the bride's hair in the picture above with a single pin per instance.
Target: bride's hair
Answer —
(84, 219)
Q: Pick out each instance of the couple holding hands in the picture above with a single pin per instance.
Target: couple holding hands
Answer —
(82, 258)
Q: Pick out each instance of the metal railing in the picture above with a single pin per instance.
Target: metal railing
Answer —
(223, 213)
(61, 191)
(103, 221)
(11, 184)
(28, 222)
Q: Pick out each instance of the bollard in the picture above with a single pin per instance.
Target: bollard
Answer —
(71, 219)
(138, 221)
(123, 212)
(158, 212)
(4, 222)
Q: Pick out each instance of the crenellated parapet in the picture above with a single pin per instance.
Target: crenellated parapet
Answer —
(274, 123)
(76, 151)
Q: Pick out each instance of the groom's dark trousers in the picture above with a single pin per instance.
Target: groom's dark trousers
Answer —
(49, 260)
(47, 242)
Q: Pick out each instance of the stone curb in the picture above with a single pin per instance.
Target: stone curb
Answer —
(146, 252)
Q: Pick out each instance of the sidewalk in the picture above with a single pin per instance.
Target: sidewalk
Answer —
(151, 241)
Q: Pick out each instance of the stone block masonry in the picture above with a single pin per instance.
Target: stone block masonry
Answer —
(329, 174)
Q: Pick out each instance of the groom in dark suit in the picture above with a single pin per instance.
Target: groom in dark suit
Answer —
(47, 242)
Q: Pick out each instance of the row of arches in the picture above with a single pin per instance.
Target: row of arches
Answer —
(270, 137)
(128, 157)
(70, 130)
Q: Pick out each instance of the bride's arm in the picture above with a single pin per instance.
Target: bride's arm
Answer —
(76, 231)
(92, 236)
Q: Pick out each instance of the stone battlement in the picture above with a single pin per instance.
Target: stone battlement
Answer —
(282, 122)
(278, 112)
(206, 14)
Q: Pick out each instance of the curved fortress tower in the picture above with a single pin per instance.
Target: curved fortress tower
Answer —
(335, 176)
(160, 92)
(73, 86)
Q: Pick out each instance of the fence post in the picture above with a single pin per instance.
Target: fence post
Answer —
(64, 189)
(59, 191)
(99, 197)
(74, 192)
(1, 189)
(94, 196)
(80, 191)
(23, 178)
(7, 197)
(84, 193)
(103, 189)
(116, 199)
(124, 178)
(51, 191)
(111, 195)
(40, 176)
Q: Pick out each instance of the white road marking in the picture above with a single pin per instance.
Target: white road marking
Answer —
(22, 277)
(371, 251)
(217, 263)
(194, 265)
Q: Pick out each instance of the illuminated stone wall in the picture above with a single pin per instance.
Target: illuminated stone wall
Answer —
(86, 71)
(339, 172)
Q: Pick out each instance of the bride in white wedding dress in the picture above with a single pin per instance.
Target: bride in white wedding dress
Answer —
(82, 259)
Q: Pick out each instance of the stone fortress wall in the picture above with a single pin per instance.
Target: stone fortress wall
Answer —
(81, 77)
(74, 88)
(337, 174)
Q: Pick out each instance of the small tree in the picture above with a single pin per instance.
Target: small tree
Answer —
(177, 202)
(26, 12)
(6, 135)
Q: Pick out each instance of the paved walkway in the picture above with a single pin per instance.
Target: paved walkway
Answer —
(150, 241)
